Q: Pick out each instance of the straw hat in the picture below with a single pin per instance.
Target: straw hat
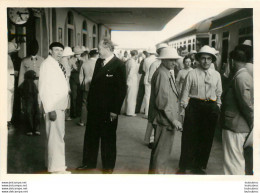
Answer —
(67, 52)
(207, 50)
(12, 47)
(83, 48)
(77, 50)
(151, 50)
(169, 53)
(162, 45)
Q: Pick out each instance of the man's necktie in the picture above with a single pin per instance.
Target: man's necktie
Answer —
(102, 62)
(207, 84)
(63, 69)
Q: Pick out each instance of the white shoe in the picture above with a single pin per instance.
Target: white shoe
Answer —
(61, 172)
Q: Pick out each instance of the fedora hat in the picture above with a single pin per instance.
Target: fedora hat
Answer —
(77, 50)
(169, 53)
(13, 47)
(207, 50)
(67, 52)
(151, 50)
(162, 45)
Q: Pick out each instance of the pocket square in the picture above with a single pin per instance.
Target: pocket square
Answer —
(109, 75)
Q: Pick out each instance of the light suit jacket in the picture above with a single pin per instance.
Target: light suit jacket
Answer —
(238, 103)
(164, 102)
(53, 87)
(131, 72)
(86, 73)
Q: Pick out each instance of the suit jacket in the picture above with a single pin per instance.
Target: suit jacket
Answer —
(86, 73)
(74, 76)
(108, 88)
(53, 86)
(164, 102)
(238, 102)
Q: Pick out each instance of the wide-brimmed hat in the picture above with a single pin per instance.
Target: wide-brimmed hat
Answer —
(247, 42)
(193, 52)
(67, 52)
(13, 47)
(207, 50)
(77, 50)
(169, 53)
(151, 50)
(162, 45)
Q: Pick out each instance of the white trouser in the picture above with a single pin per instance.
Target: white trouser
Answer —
(55, 131)
(234, 161)
(147, 97)
(10, 98)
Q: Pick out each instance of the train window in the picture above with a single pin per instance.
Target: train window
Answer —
(189, 41)
(225, 34)
(84, 32)
(245, 30)
(70, 30)
(213, 37)
(213, 44)
(189, 48)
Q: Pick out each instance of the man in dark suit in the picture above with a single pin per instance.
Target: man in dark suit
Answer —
(106, 94)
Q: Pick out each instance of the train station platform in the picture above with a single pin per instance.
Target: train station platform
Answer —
(26, 154)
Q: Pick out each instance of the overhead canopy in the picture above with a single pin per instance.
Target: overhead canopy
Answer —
(130, 19)
(231, 16)
(200, 29)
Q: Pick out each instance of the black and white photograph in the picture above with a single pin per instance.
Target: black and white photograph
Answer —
(112, 90)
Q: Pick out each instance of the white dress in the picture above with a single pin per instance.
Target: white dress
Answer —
(132, 86)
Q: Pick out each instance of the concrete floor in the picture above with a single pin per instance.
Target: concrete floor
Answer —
(27, 154)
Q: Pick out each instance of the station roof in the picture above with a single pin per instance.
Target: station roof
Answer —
(130, 19)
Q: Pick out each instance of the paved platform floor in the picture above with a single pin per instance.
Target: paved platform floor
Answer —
(26, 154)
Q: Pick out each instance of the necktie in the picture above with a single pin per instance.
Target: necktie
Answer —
(207, 84)
(172, 75)
(102, 62)
(63, 69)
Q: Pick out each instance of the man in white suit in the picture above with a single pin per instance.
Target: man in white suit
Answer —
(53, 91)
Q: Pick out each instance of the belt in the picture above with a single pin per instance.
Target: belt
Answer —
(203, 100)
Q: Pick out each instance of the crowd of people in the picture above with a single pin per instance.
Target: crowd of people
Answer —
(176, 92)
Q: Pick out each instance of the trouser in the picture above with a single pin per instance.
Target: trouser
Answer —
(234, 161)
(198, 131)
(31, 115)
(100, 129)
(76, 100)
(83, 118)
(10, 101)
(140, 96)
(55, 131)
(147, 97)
(149, 133)
(248, 154)
(163, 141)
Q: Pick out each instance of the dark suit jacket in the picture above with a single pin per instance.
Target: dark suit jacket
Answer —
(107, 89)
(238, 102)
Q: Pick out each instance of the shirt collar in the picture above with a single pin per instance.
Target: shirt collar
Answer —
(108, 59)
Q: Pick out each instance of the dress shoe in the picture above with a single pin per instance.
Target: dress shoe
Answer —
(83, 167)
(61, 172)
(198, 172)
(81, 124)
(181, 171)
(107, 171)
(29, 133)
(37, 133)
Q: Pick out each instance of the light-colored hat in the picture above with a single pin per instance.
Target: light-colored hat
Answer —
(67, 52)
(87, 49)
(77, 50)
(193, 52)
(207, 50)
(151, 50)
(247, 42)
(13, 47)
(83, 48)
(169, 53)
(162, 45)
